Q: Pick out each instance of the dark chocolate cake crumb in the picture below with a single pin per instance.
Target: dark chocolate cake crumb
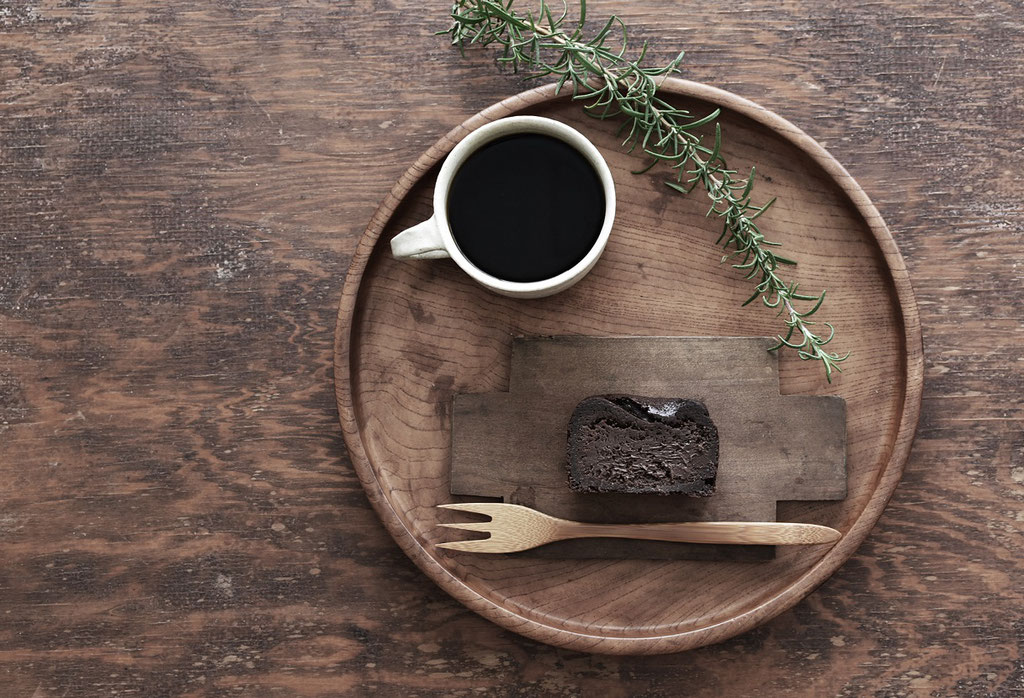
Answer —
(642, 445)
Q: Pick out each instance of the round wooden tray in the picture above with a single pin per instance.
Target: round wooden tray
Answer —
(411, 334)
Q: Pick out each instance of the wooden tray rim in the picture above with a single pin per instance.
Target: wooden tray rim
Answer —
(886, 482)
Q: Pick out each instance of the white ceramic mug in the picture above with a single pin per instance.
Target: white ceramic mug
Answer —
(433, 239)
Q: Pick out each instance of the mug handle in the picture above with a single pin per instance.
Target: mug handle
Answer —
(421, 241)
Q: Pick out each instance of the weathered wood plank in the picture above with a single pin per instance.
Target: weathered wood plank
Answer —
(512, 444)
(180, 187)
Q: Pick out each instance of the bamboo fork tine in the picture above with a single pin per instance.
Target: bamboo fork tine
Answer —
(485, 508)
(465, 546)
(484, 526)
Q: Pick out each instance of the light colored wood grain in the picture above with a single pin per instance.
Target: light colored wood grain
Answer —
(412, 334)
(513, 528)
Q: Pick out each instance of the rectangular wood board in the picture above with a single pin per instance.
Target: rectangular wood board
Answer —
(772, 447)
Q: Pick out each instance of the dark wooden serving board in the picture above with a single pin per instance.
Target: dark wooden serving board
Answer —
(772, 447)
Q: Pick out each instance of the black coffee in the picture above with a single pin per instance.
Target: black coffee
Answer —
(526, 207)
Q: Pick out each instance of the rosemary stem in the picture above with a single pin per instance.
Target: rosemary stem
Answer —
(702, 167)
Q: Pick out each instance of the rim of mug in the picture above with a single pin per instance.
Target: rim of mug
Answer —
(508, 126)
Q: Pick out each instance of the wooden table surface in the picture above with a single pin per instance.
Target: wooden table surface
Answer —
(181, 187)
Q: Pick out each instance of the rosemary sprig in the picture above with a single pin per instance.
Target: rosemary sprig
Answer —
(613, 84)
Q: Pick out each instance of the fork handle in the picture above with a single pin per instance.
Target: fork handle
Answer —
(727, 532)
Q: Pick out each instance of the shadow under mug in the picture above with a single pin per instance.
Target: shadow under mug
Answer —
(433, 238)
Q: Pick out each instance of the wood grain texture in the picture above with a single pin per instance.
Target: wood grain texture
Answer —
(411, 334)
(181, 187)
(512, 444)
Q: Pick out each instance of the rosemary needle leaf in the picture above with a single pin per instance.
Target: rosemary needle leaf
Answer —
(689, 126)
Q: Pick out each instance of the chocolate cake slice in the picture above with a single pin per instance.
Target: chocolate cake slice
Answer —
(642, 445)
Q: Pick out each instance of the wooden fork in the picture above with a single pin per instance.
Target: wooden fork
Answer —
(513, 528)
